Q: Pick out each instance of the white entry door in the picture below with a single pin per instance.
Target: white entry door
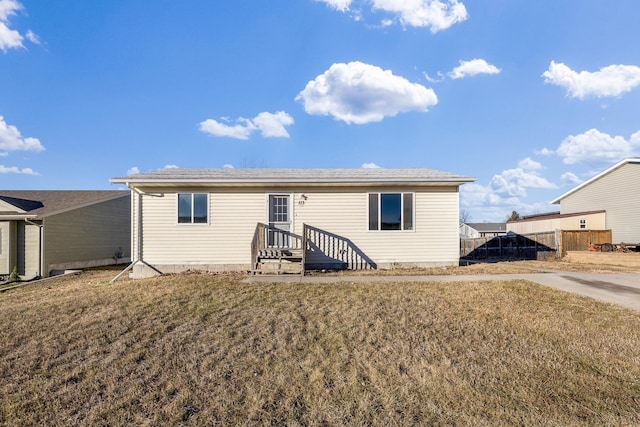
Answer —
(279, 221)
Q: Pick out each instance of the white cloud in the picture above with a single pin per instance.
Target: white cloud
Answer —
(3, 154)
(134, 170)
(340, 5)
(515, 182)
(9, 38)
(239, 131)
(171, 167)
(472, 68)
(474, 194)
(437, 15)
(438, 79)
(505, 192)
(570, 178)
(370, 166)
(613, 80)
(487, 204)
(361, 93)
(12, 140)
(270, 125)
(273, 125)
(9, 8)
(594, 146)
(545, 152)
(13, 169)
(32, 37)
(227, 166)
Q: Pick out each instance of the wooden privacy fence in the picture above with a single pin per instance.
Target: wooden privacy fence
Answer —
(579, 240)
(532, 246)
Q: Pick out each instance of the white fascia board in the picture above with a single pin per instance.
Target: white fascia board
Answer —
(595, 178)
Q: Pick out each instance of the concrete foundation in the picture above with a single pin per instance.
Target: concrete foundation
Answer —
(141, 271)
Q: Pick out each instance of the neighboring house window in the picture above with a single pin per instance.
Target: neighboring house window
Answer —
(193, 208)
(391, 211)
(583, 223)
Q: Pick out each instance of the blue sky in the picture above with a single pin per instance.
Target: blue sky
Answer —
(530, 98)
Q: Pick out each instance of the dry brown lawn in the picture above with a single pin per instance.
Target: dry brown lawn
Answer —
(504, 267)
(201, 349)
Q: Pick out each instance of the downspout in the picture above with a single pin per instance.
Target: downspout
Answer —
(40, 247)
(138, 255)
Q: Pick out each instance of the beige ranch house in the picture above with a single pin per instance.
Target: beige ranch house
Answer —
(266, 220)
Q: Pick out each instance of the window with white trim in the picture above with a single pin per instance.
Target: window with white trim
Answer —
(391, 211)
(193, 208)
(583, 223)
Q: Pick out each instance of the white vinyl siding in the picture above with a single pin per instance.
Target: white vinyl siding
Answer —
(434, 240)
(617, 193)
(340, 211)
(226, 240)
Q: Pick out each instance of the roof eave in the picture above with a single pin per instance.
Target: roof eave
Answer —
(18, 217)
(287, 182)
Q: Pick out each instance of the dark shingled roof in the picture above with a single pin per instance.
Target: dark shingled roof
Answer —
(45, 202)
(23, 204)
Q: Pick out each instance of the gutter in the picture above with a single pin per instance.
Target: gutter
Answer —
(139, 252)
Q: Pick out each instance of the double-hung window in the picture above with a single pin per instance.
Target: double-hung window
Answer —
(193, 208)
(391, 211)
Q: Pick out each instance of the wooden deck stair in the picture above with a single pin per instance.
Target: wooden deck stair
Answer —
(274, 260)
(279, 261)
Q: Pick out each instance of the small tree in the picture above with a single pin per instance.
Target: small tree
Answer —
(465, 216)
(14, 276)
(514, 216)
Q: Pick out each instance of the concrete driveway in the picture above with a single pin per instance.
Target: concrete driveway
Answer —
(617, 288)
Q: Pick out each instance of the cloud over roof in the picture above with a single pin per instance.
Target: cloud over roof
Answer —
(361, 93)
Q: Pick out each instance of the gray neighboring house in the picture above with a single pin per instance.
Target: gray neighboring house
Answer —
(224, 219)
(45, 231)
(616, 191)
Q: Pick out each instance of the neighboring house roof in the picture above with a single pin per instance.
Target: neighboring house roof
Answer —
(552, 215)
(42, 203)
(488, 227)
(22, 204)
(633, 160)
(229, 176)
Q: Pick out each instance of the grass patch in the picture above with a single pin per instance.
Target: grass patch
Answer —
(202, 349)
(501, 267)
